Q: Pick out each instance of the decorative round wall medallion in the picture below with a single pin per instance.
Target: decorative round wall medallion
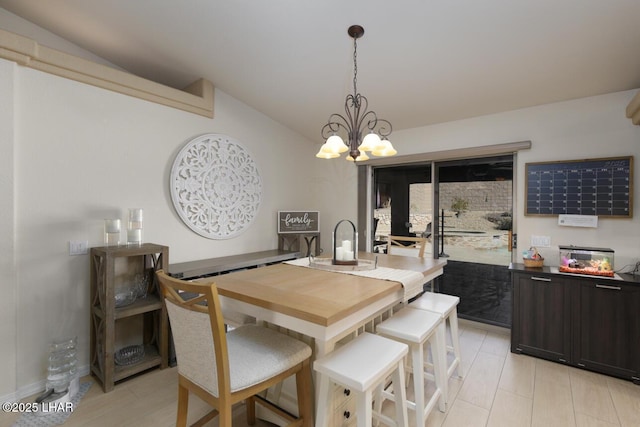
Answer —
(215, 186)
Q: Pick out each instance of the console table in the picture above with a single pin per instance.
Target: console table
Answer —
(226, 264)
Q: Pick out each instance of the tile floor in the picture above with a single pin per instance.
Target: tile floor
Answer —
(505, 389)
(499, 389)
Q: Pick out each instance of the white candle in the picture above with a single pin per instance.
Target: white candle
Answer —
(346, 245)
(134, 235)
(348, 255)
(112, 225)
(135, 214)
(135, 218)
(339, 254)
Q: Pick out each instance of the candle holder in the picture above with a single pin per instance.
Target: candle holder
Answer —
(134, 229)
(347, 251)
(112, 232)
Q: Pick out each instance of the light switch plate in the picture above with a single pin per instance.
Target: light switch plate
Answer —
(541, 241)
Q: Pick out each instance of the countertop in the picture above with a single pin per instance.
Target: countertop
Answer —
(624, 277)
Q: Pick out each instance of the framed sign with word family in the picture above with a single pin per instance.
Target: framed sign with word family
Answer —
(298, 222)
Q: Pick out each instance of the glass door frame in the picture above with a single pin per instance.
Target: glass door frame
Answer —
(366, 194)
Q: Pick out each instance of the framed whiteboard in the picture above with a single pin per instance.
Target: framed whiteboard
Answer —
(602, 187)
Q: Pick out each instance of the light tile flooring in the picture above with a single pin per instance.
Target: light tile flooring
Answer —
(498, 389)
(505, 389)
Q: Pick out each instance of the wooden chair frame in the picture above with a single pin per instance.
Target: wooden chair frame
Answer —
(208, 301)
(407, 242)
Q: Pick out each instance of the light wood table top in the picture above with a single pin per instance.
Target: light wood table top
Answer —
(318, 296)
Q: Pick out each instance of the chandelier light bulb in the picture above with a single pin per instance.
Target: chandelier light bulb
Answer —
(362, 157)
(324, 155)
(385, 149)
(370, 142)
(336, 144)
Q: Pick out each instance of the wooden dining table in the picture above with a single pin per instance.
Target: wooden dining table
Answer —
(324, 305)
(321, 305)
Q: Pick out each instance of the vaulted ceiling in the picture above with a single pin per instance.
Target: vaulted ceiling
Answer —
(420, 62)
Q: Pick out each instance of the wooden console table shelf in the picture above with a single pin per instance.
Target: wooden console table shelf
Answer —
(221, 265)
(105, 277)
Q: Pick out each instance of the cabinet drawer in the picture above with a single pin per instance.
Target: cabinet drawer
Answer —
(340, 394)
(345, 414)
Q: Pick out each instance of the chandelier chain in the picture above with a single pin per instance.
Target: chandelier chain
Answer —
(355, 65)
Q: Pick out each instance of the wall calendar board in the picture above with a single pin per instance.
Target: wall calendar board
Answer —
(602, 187)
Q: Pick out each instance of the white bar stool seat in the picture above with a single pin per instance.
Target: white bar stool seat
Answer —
(446, 306)
(363, 365)
(417, 328)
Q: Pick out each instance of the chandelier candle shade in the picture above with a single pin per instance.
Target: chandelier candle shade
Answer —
(356, 121)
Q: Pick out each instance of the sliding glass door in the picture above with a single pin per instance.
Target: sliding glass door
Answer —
(465, 209)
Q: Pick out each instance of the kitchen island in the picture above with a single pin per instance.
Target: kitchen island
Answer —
(320, 307)
(323, 305)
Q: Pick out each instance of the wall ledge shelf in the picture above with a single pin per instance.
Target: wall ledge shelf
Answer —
(196, 98)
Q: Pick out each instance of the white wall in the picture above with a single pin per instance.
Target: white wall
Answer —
(591, 127)
(83, 154)
(8, 305)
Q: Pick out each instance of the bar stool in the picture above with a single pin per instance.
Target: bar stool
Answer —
(446, 306)
(362, 365)
(417, 328)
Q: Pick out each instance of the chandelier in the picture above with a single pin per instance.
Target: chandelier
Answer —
(356, 121)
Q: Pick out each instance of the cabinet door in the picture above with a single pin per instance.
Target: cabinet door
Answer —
(607, 328)
(541, 316)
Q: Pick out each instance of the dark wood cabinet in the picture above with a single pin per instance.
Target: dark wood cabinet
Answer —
(543, 325)
(606, 323)
(585, 322)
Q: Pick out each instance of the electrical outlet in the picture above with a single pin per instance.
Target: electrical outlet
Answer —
(78, 247)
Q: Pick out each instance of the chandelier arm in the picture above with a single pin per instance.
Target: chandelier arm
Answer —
(360, 105)
(335, 123)
(351, 102)
(369, 120)
(385, 127)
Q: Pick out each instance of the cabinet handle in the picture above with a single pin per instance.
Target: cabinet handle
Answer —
(347, 414)
(615, 288)
(347, 392)
(540, 279)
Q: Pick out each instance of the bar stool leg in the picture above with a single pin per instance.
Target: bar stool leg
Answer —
(455, 341)
(417, 358)
(440, 358)
(364, 410)
(401, 396)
